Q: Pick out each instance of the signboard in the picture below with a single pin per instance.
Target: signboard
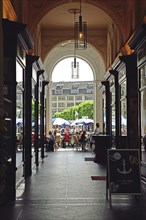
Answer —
(124, 171)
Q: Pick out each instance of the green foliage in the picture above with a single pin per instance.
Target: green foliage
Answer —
(84, 109)
(33, 109)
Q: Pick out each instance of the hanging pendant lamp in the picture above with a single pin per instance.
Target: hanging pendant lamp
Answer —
(80, 30)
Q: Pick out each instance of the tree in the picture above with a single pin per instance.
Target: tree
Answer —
(84, 109)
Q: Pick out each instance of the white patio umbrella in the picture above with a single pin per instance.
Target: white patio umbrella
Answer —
(84, 121)
(61, 122)
(19, 121)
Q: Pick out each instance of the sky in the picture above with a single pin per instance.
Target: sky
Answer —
(63, 71)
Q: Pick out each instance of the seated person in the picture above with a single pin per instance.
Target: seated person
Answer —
(97, 129)
(66, 139)
(83, 140)
(57, 137)
(50, 142)
(75, 138)
(92, 141)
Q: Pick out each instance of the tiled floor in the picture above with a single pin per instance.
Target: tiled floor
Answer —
(62, 189)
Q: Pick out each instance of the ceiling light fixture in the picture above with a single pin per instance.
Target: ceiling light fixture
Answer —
(80, 32)
(74, 64)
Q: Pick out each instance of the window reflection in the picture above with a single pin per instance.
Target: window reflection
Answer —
(19, 98)
(143, 77)
(143, 103)
(123, 108)
(113, 109)
(143, 112)
(113, 119)
(143, 99)
(19, 112)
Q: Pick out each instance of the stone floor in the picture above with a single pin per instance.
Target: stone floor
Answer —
(62, 189)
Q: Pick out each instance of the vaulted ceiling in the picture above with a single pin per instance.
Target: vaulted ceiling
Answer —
(110, 24)
(53, 21)
(60, 17)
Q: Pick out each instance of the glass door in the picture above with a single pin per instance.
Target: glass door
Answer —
(19, 123)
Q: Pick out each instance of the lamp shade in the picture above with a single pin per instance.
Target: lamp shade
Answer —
(80, 30)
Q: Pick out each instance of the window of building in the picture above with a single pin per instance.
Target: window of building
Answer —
(88, 97)
(61, 98)
(78, 97)
(89, 91)
(54, 98)
(61, 104)
(58, 92)
(60, 109)
(66, 91)
(53, 92)
(75, 86)
(70, 98)
(75, 91)
(83, 91)
(90, 86)
(69, 104)
(54, 105)
(59, 87)
(77, 103)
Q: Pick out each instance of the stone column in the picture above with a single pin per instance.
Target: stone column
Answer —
(49, 108)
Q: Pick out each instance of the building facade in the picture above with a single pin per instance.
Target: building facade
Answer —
(68, 94)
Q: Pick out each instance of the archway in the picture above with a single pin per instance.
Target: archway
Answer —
(92, 57)
(71, 86)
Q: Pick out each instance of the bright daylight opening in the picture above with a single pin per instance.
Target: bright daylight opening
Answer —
(72, 92)
(63, 71)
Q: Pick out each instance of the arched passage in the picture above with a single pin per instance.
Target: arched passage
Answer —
(93, 58)
(52, 29)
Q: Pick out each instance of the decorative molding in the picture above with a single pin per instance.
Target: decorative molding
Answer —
(126, 50)
(11, 30)
(8, 11)
(138, 38)
(26, 39)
